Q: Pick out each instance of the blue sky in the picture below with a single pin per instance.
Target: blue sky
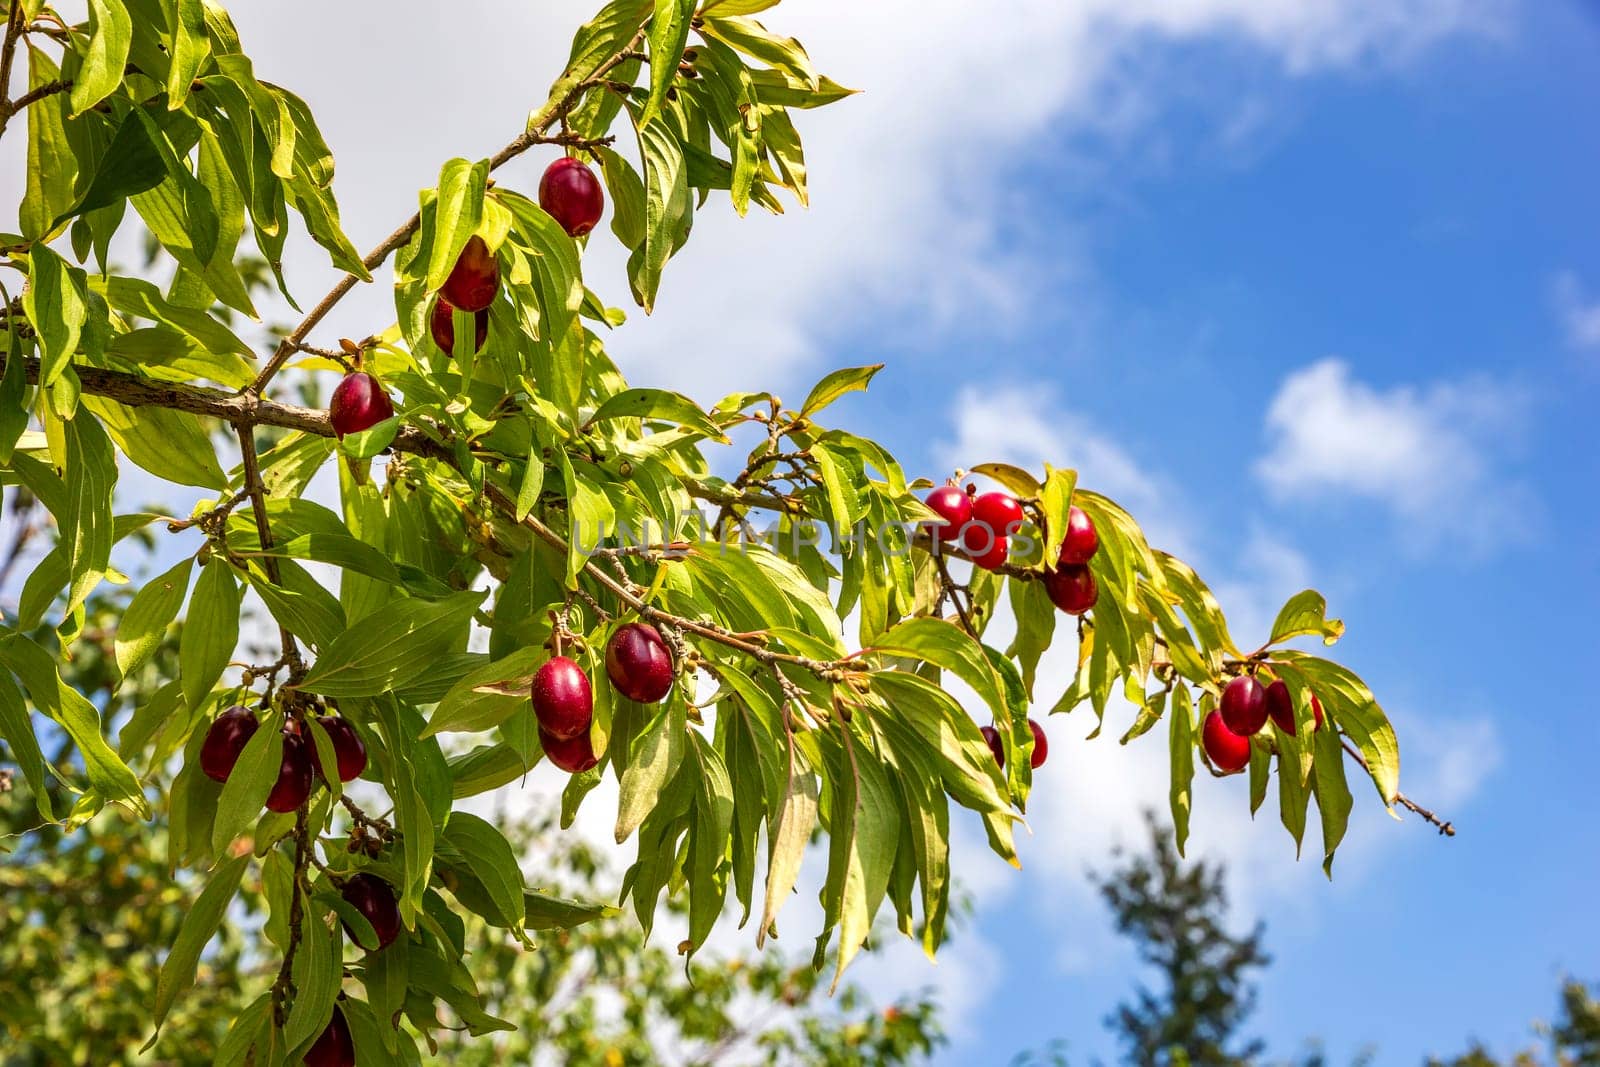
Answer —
(1313, 286)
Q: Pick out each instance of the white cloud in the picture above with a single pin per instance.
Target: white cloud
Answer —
(1431, 455)
(1579, 311)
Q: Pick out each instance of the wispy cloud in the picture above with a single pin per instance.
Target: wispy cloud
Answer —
(1579, 311)
(1431, 455)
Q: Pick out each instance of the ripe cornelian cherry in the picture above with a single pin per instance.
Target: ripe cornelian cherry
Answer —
(475, 279)
(442, 325)
(334, 1047)
(1000, 512)
(348, 748)
(359, 403)
(374, 899)
(952, 505)
(294, 776)
(1244, 705)
(572, 754)
(987, 550)
(1227, 751)
(1281, 707)
(571, 194)
(1041, 745)
(562, 699)
(1071, 588)
(991, 737)
(638, 663)
(226, 738)
(1082, 541)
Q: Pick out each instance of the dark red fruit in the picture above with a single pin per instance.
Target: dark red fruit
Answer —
(359, 403)
(1227, 750)
(1041, 745)
(572, 754)
(374, 899)
(991, 737)
(1280, 705)
(475, 279)
(1244, 705)
(294, 776)
(442, 325)
(562, 699)
(1082, 541)
(986, 550)
(1000, 512)
(1072, 588)
(571, 194)
(638, 663)
(955, 507)
(348, 747)
(333, 1047)
(227, 737)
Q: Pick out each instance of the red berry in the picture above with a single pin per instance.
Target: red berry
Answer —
(348, 747)
(475, 279)
(442, 325)
(1072, 588)
(374, 899)
(991, 737)
(1227, 751)
(955, 507)
(1244, 705)
(1082, 541)
(571, 194)
(572, 754)
(1041, 744)
(227, 737)
(562, 699)
(998, 511)
(294, 776)
(359, 403)
(986, 550)
(638, 663)
(1281, 707)
(334, 1047)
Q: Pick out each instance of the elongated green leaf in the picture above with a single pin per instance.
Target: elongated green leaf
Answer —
(132, 164)
(669, 32)
(709, 834)
(245, 792)
(52, 165)
(837, 384)
(393, 648)
(317, 977)
(658, 404)
(191, 47)
(149, 613)
(951, 648)
(56, 304)
(668, 210)
(17, 732)
(457, 211)
(1306, 613)
(172, 445)
(547, 912)
(1180, 738)
(211, 631)
(488, 696)
(1332, 792)
(487, 854)
(110, 35)
(199, 924)
(650, 763)
(862, 835)
(754, 40)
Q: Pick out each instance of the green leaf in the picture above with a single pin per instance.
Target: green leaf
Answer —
(132, 164)
(947, 646)
(488, 696)
(1056, 502)
(392, 648)
(245, 792)
(152, 609)
(457, 212)
(1180, 738)
(654, 753)
(837, 384)
(626, 189)
(135, 296)
(36, 670)
(1332, 792)
(210, 632)
(709, 834)
(87, 528)
(170, 444)
(488, 856)
(110, 36)
(669, 32)
(787, 837)
(1013, 478)
(191, 47)
(658, 404)
(17, 732)
(863, 832)
(596, 41)
(200, 923)
(1306, 614)
(668, 213)
(52, 164)
(754, 40)
(56, 303)
(547, 912)
(317, 974)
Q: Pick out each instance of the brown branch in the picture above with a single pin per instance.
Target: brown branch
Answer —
(10, 108)
(1448, 829)
(535, 134)
(283, 985)
(258, 507)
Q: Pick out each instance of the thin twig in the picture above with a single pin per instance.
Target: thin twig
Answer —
(1448, 829)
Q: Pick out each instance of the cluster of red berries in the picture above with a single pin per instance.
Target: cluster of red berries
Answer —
(569, 193)
(1041, 747)
(984, 524)
(1245, 708)
(640, 668)
(234, 728)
